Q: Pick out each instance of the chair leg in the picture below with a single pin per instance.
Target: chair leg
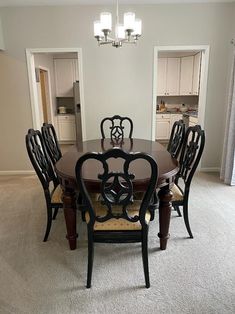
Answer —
(186, 220)
(90, 259)
(55, 213)
(49, 221)
(176, 208)
(145, 258)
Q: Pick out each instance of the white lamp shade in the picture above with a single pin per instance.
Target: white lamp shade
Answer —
(121, 31)
(106, 20)
(129, 20)
(138, 27)
(97, 29)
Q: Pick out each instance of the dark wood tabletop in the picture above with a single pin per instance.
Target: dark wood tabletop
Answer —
(167, 168)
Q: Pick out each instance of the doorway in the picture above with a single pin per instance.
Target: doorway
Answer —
(44, 103)
(198, 100)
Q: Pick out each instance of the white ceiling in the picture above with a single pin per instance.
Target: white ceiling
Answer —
(7, 3)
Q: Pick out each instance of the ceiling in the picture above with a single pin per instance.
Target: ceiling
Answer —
(7, 3)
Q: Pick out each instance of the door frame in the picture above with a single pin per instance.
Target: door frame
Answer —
(49, 89)
(33, 86)
(205, 49)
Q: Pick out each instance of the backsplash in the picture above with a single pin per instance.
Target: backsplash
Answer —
(67, 102)
(176, 101)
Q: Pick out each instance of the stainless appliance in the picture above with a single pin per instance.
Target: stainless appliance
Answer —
(77, 110)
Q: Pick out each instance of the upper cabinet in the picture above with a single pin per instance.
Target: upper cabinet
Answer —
(2, 47)
(196, 73)
(179, 76)
(186, 75)
(66, 73)
(168, 76)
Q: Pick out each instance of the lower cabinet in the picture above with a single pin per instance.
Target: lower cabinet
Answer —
(162, 126)
(164, 123)
(193, 121)
(66, 128)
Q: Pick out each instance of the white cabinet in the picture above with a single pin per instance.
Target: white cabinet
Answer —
(193, 121)
(174, 118)
(66, 73)
(190, 75)
(164, 124)
(168, 76)
(161, 76)
(196, 73)
(66, 128)
(186, 75)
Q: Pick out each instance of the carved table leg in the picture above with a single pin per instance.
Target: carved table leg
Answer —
(165, 196)
(69, 202)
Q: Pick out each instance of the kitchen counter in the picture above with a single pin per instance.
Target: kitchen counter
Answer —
(65, 114)
(167, 112)
(191, 114)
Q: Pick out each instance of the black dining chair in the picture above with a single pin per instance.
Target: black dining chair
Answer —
(176, 138)
(116, 218)
(51, 142)
(190, 156)
(42, 165)
(116, 125)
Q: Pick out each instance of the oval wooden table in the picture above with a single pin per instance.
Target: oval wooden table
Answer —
(167, 168)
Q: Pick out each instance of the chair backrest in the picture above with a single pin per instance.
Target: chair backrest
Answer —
(51, 142)
(39, 158)
(116, 188)
(176, 138)
(116, 127)
(191, 153)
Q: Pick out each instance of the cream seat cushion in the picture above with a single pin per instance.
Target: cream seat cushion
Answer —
(117, 224)
(177, 194)
(56, 196)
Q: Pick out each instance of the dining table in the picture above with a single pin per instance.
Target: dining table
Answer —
(167, 169)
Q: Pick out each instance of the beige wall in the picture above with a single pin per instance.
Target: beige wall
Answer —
(115, 80)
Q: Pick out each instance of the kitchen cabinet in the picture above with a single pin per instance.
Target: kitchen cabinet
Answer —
(186, 75)
(190, 74)
(164, 124)
(66, 128)
(175, 117)
(66, 73)
(168, 76)
(193, 121)
(196, 73)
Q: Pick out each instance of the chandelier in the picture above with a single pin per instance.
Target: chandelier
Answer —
(128, 32)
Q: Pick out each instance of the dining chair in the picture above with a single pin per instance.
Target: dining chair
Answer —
(42, 165)
(176, 138)
(190, 156)
(116, 218)
(51, 142)
(116, 125)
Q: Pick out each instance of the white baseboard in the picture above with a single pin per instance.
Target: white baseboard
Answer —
(17, 172)
(210, 169)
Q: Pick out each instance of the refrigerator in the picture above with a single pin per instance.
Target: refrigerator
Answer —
(77, 111)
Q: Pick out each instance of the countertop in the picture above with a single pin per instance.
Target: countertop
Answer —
(186, 114)
(65, 114)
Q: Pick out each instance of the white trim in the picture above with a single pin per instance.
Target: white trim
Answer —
(33, 88)
(17, 172)
(205, 49)
(50, 94)
(210, 169)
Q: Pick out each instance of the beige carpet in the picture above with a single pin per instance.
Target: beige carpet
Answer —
(191, 276)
